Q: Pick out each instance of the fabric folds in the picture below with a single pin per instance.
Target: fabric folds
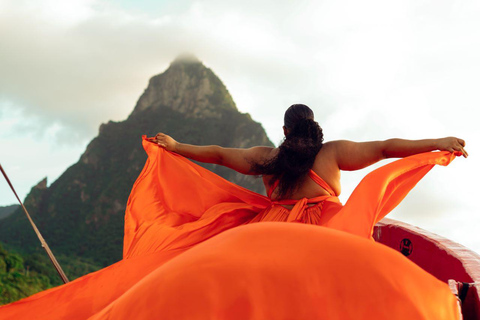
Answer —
(199, 247)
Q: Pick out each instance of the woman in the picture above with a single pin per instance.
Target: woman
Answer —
(303, 150)
(193, 251)
(233, 268)
(303, 167)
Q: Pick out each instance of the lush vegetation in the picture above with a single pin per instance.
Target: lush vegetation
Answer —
(22, 276)
(18, 281)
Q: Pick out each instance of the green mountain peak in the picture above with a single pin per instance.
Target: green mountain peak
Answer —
(81, 214)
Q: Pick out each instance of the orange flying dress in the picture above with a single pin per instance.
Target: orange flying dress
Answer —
(193, 250)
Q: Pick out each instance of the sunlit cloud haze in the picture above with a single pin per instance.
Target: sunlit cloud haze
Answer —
(370, 70)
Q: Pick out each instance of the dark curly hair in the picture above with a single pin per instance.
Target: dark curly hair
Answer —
(297, 152)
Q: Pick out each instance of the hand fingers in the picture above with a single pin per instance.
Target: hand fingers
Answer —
(161, 142)
(462, 144)
(160, 139)
(460, 148)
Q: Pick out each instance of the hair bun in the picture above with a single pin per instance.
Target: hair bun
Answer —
(297, 152)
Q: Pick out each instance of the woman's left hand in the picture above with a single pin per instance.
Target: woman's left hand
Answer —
(165, 141)
(452, 144)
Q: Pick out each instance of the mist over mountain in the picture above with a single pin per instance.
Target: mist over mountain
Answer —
(81, 215)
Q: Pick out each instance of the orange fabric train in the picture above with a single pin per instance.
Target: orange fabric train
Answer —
(270, 270)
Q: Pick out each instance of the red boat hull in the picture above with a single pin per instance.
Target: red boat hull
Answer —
(441, 257)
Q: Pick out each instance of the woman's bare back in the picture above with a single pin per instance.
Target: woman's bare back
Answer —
(325, 166)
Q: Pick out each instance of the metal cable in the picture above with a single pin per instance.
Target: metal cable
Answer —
(39, 235)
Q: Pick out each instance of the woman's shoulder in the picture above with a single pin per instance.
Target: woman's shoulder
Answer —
(335, 144)
(260, 154)
(335, 147)
(266, 152)
(329, 148)
(327, 154)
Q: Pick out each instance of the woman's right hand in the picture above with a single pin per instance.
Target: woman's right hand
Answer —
(452, 144)
(165, 141)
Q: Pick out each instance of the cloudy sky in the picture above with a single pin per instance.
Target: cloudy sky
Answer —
(370, 70)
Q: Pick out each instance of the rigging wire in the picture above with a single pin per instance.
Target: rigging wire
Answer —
(39, 235)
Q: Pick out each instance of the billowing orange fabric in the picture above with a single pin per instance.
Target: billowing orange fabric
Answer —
(276, 270)
(270, 270)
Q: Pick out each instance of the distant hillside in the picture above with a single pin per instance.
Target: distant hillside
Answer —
(8, 210)
(82, 213)
(24, 275)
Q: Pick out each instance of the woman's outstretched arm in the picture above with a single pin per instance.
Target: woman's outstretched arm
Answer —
(357, 155)
(238, 159)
